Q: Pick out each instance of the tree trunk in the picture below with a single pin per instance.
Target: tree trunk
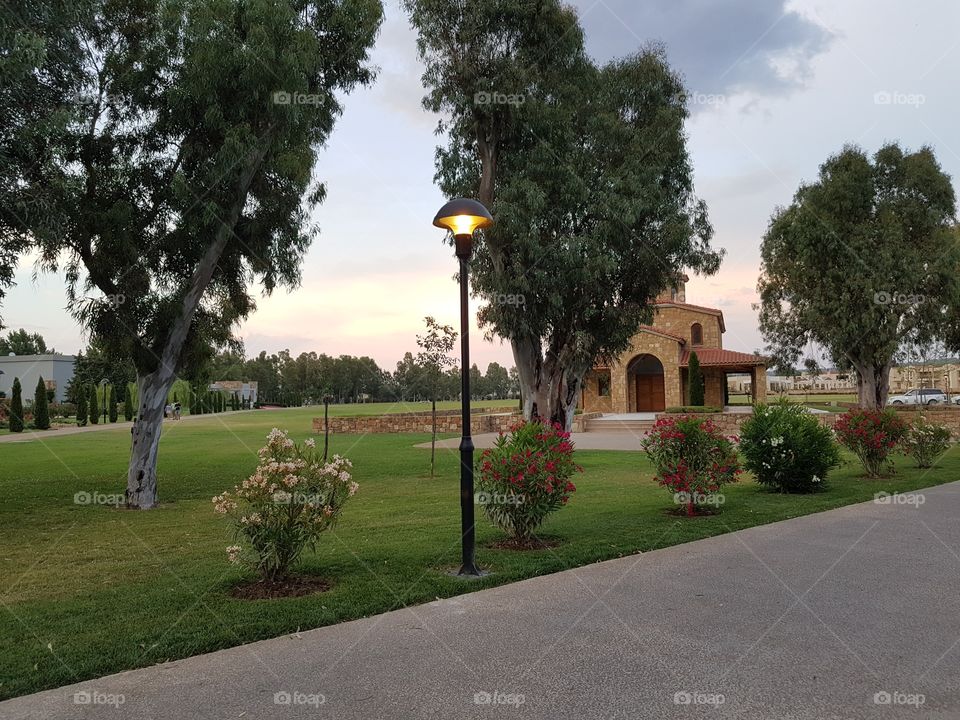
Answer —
(533, 393)
(873, 384)
(141, 490)
(152, 393)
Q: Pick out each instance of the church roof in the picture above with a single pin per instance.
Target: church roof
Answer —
(657, 331)
(716, 356)
(698, 308)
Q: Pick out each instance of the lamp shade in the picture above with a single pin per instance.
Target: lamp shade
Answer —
(463, 216)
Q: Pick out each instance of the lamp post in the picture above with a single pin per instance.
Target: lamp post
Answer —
(103, 384)
(462, 217)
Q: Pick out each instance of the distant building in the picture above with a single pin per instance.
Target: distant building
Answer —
(652, 374)
(246, 391)
(56, 371)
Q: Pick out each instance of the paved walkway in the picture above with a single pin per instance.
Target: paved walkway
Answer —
(31, 435)
(852, 613)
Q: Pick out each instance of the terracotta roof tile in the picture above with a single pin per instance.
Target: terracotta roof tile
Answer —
(715, 356)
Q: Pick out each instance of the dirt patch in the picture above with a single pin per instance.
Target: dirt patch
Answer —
(293, 586)
(533, 543)
(681, 512)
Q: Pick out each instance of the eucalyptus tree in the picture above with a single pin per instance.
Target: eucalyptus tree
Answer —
(184, 173)
(863, 261)
(587, 174)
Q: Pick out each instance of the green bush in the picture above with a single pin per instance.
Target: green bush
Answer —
(113, 403)
(787, 449)
(94, 406)
(926, 442)
(41, 408)
(82, 408)
(693, 459)
(16, 407)
(872, 435)
(525, 477)
(695, 380)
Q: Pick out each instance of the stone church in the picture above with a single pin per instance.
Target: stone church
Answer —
(652, 374)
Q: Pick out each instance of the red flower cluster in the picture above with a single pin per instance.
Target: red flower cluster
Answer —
(872, 435)
(527, 476)
(692, 458)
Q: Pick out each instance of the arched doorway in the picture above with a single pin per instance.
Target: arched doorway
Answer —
(646, 373)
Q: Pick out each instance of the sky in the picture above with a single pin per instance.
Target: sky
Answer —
(775, 89)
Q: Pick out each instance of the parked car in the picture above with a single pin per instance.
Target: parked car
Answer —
(926, 396)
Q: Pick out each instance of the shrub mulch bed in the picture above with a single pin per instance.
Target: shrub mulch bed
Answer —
(293, 586)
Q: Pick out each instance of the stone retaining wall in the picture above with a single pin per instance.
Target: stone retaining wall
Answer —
(729, 423)
(448, 421)
(580, 421)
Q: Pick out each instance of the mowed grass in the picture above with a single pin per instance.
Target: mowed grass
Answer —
(89, 590)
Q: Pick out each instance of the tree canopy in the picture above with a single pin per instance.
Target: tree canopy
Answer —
(864, 259)
(586, 171)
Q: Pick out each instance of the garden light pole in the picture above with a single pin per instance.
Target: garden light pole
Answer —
(462, 217)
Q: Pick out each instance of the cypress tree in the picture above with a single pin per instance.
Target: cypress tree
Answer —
(128, 405)
(94, 406)
(696, 380)
(81, 406)
(16, 407)
(113, 405)
(41, 408)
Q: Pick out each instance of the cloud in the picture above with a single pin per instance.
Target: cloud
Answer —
(724, 46)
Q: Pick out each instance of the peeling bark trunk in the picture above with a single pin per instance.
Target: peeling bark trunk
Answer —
(152, 390)
(141, 490)
(873, 384)
(548, 390)
(528, 359)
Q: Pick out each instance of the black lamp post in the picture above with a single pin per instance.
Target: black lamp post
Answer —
(103, 384)
(462, 217)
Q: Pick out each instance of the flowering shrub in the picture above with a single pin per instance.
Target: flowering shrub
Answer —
(526, 476)
(692, 458)
(786, 448)
(291, 498)
(871, 435)
(926, 441)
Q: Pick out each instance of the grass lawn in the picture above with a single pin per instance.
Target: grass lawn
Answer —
(90, 590)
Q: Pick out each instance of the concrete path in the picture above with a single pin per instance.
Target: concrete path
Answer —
(853, 613)
(582, 441)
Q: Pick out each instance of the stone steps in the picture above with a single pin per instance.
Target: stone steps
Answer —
(626, 427)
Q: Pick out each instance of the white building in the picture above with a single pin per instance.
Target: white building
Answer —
(56, 371)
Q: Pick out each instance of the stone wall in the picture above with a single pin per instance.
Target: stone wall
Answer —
(729, 423)
(448, 421)
(580, 421)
